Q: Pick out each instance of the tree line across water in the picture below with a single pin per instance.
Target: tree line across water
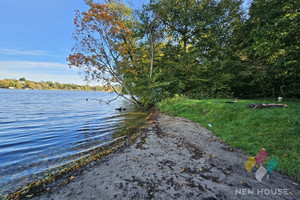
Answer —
(22, 83)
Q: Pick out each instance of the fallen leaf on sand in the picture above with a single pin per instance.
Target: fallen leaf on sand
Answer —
(72, 177)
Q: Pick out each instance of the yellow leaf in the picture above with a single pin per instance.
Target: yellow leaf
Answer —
(250, 163)
(72, 177)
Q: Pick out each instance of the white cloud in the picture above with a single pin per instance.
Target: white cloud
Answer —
(16, 52)
(37, 71)
(32, 65)
(20, 52)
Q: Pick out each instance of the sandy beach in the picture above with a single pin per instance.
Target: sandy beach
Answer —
(173, 158)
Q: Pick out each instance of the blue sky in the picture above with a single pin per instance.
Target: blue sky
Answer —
(36, 38)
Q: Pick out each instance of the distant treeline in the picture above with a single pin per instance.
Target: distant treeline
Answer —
(22, 83)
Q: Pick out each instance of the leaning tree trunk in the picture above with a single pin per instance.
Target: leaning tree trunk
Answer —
(152, 53)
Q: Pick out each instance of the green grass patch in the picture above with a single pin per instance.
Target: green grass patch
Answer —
(275, 129)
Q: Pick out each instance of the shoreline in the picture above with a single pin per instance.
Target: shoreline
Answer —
(78, 167)
(173, 158)
(56, 90)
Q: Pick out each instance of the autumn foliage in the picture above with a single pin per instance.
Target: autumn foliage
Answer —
(104, 47)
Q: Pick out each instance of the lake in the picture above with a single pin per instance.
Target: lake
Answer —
(41, 131)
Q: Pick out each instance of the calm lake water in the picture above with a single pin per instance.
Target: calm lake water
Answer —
(43, 130)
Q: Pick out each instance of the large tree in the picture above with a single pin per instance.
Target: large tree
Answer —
(105, 44)
(198, 41)
(271, 47)
(180, 18)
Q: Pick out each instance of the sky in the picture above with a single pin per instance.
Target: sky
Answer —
(36, 38)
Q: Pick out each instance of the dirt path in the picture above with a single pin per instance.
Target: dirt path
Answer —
(175, 159)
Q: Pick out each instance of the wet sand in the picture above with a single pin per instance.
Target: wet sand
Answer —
(174, 158)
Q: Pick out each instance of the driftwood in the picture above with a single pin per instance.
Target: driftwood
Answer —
(266, 105)
(121, 108)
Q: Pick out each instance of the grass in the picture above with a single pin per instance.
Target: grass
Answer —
(275, 129)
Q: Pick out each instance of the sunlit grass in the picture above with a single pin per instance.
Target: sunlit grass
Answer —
(275, 129)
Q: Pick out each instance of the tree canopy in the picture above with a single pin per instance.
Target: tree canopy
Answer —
(198, 48)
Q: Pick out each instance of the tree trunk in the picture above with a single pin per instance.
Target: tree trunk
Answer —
(281, 90)
(262, 88)
(184, 44)
(134, 100)
(152, 53)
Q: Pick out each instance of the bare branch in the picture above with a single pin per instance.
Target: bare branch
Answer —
(113, 99)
